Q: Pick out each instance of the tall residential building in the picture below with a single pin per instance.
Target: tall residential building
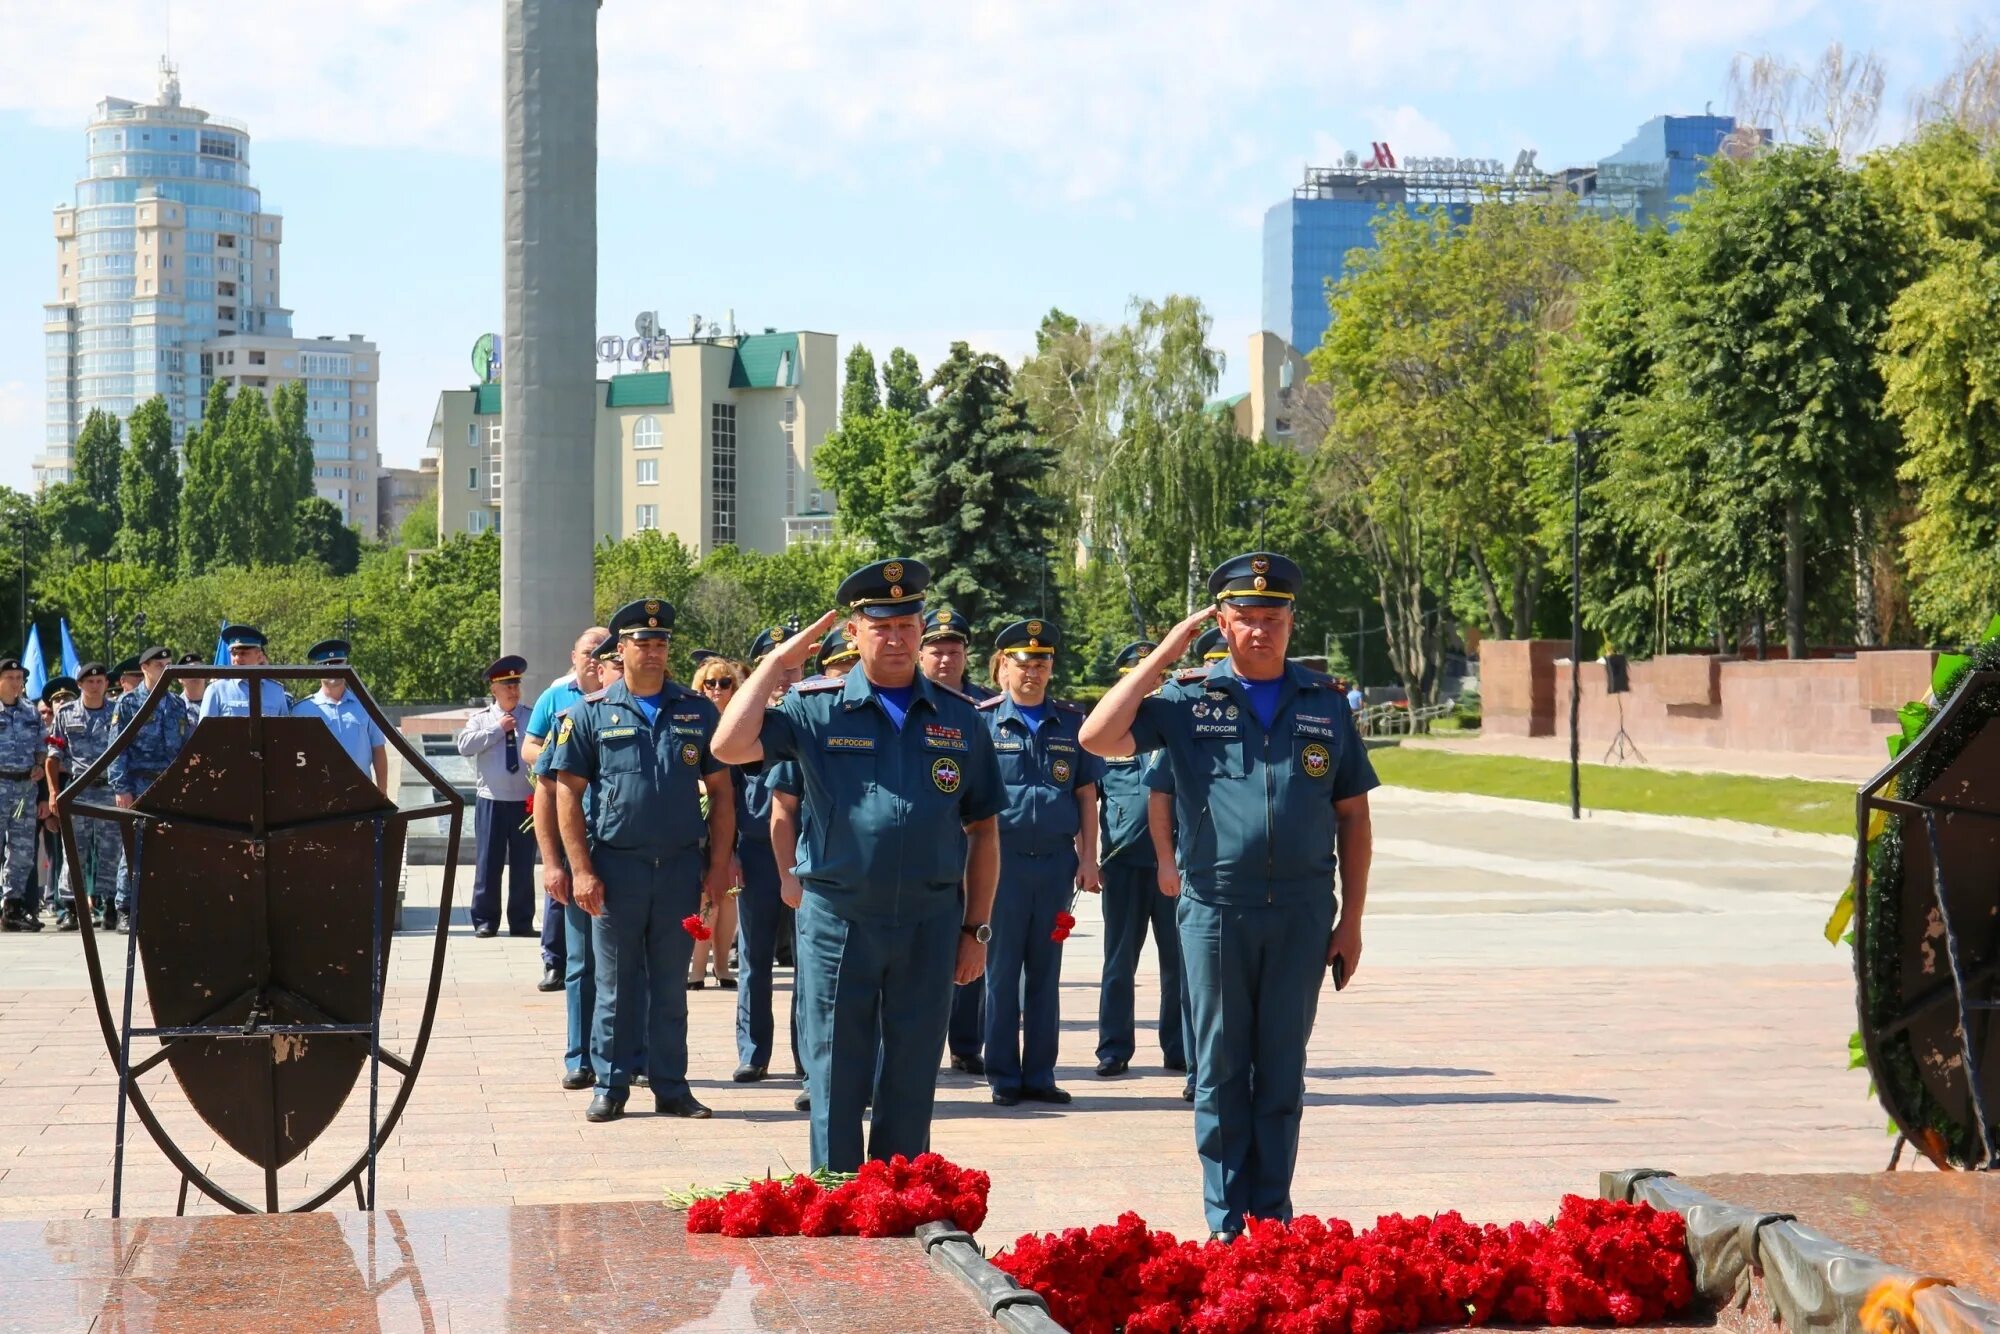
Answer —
(713, 443)
(168, 279)
(166, 245)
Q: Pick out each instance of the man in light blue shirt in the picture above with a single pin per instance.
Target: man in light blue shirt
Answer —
(561, 693)
(231, 698)
(349, 722)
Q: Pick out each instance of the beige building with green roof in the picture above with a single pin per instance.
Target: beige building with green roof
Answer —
(712, 442)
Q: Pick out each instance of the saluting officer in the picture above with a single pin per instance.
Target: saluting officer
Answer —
(946, 637)
(1132, 902)
(900, 797)
(22, 743)
(491, 739)
(82, 732)
(151, 749)
(642, 752)
(357, 733)
(231, 698)
(1048, 850)
(1270, 783)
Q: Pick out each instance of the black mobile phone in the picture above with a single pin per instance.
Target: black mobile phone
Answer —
(1339, 967)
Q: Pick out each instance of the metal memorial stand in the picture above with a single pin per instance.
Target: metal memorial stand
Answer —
(1970, 990)
(138, 821)
(1622, 742)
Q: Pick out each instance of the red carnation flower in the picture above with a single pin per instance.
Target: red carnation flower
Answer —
(1065, 923)
(694, 926)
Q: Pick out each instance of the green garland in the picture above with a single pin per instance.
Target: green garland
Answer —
(1880, 966)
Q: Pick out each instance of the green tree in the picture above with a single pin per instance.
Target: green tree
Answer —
(976, 511)
(325, 538)
(420, 529)
(74, 523)
(866, 463)
(903, 378)
(1941, 371)
(1777, 291)
(647, 564)
(860, 395)
(207, 507)
(288, 418)
(94, 462)
(149, 488)
(427, 633)
(89, 591)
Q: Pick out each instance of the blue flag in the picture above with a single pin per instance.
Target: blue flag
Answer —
(31, 658)
(71, 664)
(221, 649)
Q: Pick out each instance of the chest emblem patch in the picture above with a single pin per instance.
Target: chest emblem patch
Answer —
(1059, 770)
(1315, 761)
(690, 753)
(945, 775)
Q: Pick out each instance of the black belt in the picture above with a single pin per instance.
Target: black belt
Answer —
(17, 777)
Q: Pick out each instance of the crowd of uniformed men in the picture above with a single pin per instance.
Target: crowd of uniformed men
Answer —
(47, 742)
(918, 842)
(913, 841)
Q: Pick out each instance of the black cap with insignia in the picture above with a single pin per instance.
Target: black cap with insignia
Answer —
(767, 640)
(1028, 637)
(158, 651)
(836, 649)
(647, 618)
(944, 623)
(1256, 579)
(242, 636)
(1209, 645)
(90, 669)
(506, 670)
(129, 667)
(1133, 654)
(328, 653)
(886, 588)
(58, 689)
(606, 650)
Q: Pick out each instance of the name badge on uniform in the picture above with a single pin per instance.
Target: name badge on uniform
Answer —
(614, 733)
(1009, 746)
(1222, 729)
(1305, 724)
(850, 743)
(1057, 743)
(937, 736)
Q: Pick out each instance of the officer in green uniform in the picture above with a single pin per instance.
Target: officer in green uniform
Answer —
(1131, 903)
(1048, 850)
(1270, 782)
(900, 797)
(637, 866)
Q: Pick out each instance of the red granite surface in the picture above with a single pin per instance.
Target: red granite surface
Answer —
(560, 1267)
(1941, 1223)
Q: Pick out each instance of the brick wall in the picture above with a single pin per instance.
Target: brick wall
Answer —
(1818, 706)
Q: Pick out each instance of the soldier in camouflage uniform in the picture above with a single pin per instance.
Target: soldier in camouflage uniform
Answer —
(21, 743)
(152, 749)
(82, 732)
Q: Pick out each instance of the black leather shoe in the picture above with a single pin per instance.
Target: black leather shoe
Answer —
(726, 983)
(1051, 1094)
(698, 984)
(529, 932)
(13, 919)
(485, 932)
(803, 1103)
(642, 1081)
(603, 1107)
(551, 980)
(1110, 1066)
(685, 1105)
(1178, 1067)
(109, 921)
(1187, 1091)
(1225, 1236)
(971, 1065)
(33, 923)
(65, 922)
(578, 1079)
(749, 1074)
(1004, 1098)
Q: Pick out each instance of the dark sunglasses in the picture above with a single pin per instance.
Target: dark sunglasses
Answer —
(719, 683)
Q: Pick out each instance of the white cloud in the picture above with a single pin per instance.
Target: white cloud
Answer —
(1088, 101)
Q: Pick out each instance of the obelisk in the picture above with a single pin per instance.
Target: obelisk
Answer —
(548, 372)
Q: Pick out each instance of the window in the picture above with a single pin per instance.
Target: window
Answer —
(166, 261)
(722, 474)
(472, 478)
(475, 521)
(789, 420)
(645, 517)
(472, 435)
(649, 472)
(646, 432)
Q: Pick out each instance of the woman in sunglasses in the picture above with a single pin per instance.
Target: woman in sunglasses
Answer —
(715, 680)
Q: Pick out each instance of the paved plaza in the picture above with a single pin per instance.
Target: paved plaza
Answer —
(1539, 999)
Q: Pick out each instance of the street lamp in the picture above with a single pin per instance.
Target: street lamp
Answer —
(24, 524)
(111, 620)
(1577, 440)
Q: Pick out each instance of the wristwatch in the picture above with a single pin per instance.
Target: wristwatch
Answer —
(980, 932)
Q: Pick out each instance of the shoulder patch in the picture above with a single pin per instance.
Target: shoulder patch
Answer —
(993, 703)
(1068, 707)
(953, 690)
(819, 685)
(1190, 674)
(592, 697)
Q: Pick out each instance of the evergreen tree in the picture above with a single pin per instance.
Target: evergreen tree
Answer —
(976, 511)
(860, 396)
(94, 461)
(904, 380)
(261, 466)
(149, 488)
(323, 537)
(207, 508)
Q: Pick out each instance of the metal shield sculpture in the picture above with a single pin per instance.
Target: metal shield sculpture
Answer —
(265, 868)
(1927, 927)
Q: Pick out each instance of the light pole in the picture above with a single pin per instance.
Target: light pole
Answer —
(111, 621)
(25, 526)
(1577, 440)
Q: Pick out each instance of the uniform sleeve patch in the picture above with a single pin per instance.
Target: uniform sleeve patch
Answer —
(562, 734)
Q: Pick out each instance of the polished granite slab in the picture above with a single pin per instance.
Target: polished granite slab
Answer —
(560, 1267)
(1940, 1223)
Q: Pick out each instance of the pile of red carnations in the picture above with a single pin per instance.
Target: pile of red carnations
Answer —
(1599, 1261)
(881, 1200)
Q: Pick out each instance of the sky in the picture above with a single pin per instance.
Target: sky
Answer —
(888, 171)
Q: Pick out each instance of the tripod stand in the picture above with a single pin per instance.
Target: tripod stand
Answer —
(1622, 742)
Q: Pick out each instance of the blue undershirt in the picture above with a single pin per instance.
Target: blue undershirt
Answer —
(1264, 699)
(649, 705)
(1034, 713)
(896, 701)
